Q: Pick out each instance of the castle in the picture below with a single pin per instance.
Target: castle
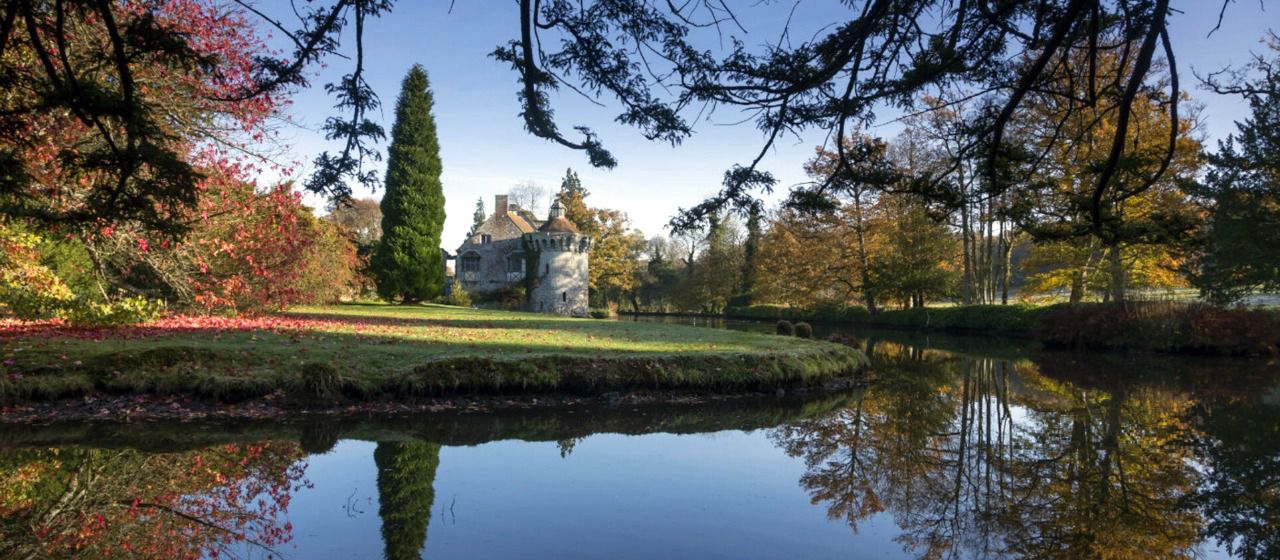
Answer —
(498, 252)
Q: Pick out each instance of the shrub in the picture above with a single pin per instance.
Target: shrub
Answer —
(329, 270)
(828, 311)
(599, 313)
(739, 300)
(1160, 326)
(762, 311)
(985, 318)
(127, 311)
(456, 297)
(320, 382)
(803, 330)
(29, 289)
(785, 328)
(510, 298)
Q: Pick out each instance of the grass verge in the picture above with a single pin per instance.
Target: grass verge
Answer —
(368, 352)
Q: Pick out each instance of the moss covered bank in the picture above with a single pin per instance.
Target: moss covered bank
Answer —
(329, 355)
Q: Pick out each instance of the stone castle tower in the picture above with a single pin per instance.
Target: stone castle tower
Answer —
(561, 274)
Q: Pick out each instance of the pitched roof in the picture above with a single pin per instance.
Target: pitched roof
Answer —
(559, 224)
(520, 222)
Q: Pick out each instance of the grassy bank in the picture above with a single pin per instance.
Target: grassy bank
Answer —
(1176, 327)
(366, 352)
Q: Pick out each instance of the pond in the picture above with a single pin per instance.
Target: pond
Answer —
(960, 448)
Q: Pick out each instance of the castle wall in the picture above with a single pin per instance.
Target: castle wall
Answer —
(562, 284)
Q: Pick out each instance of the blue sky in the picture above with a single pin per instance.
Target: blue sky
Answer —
(485, 149)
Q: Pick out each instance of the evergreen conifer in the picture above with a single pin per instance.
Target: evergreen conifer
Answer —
(408, 264)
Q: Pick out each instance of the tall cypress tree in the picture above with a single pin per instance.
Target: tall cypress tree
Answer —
(408, 265)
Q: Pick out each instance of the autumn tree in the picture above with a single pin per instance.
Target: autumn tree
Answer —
(408, 264)
(655, 284)
(717, 272)
(361, 219)
(807, 260)
(855, 174)
(616, 248)
(1145, 203)
(573, 198)
(615, 256)
(915, 255)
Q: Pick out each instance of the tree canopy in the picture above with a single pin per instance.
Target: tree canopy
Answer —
(644, 55)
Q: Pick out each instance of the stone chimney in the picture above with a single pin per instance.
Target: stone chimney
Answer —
(500, 205)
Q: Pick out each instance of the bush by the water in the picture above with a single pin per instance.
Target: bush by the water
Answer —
(598, 313)
(1161, 326)
(804, 330)
(785, 328)
(828, 312)
(983, 318)
(987, 318)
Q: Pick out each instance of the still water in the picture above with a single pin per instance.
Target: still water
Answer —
(959, 448)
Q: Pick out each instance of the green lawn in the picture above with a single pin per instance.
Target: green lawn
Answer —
(355, 352)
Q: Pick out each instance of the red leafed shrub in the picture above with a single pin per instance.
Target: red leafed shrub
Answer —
(1232, 331)
(1161, 326)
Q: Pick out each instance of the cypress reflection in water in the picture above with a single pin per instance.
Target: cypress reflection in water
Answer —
(979, 457)
(406, 478)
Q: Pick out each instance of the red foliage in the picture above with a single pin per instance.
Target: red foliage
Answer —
(1161, 326)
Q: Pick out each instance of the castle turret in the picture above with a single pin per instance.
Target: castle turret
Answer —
(560, 284)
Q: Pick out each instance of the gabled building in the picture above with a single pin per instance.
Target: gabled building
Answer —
(496, 254)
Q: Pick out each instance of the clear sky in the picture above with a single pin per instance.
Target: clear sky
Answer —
(486, 151)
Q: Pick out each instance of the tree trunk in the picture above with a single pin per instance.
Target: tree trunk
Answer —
(966, 282)
(1006, 263)
(1077, 285)
(868, 293)
(1116, 266)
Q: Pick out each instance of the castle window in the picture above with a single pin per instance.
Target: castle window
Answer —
(515, 263)
(547, 269)
(470, 263)
(564, 296)
(485, 238)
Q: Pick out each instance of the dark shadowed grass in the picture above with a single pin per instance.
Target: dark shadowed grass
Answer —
(365, 352)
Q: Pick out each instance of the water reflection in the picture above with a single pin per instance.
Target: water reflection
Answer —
(108, 503)
(947, 454)
(979, 457)
(406, 475)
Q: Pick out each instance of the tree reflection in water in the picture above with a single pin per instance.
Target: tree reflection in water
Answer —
(108, 503)
(406, 479)
(977, 457)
